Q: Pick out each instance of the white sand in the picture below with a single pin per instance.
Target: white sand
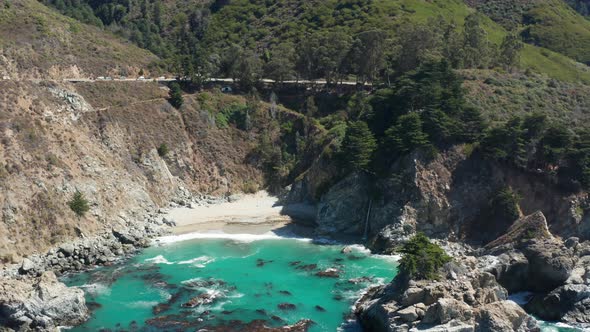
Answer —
(253, 214)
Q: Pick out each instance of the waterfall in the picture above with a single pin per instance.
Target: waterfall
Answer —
(367, 220)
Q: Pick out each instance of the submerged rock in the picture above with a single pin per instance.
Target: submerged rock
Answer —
(287, 306)
(308, 267)
(320, 308)
(329, 273)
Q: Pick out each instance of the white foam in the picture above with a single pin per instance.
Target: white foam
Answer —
(236, 237)
(521, 298)
(96, 289)
(199, 262)
(142, 304)
(158, 260)
(393, 258)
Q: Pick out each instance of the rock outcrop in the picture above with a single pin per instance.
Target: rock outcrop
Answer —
(463, 299)
(40, 303)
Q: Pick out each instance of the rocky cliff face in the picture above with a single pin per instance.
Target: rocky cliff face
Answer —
(447, 197)
(101, 139)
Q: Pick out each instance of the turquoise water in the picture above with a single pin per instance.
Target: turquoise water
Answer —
(272, 281)
(267, 281)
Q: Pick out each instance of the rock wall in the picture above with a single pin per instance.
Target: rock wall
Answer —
(443, 197)
(102, 139)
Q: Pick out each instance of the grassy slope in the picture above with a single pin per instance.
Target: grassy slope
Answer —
(257, 26)
(37, 40)
(556, 26)
(534, 58)
(500, 96)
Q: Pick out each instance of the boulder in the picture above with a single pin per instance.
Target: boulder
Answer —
(67, 249)
(503, 316)
(41, 303)
(550, 264)
(408, 314)
(511, 269)
(569, 303)
(26, 266)
(446, 310)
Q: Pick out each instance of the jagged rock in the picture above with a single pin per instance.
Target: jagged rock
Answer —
(570, 303)
(41, 303)
(511, 269)
(571, 242)
(445, 310)
(408, 314)
(550, 264)
(67, 249)
(123, 237)
(26, 266)
(503, 316)
(528, 227)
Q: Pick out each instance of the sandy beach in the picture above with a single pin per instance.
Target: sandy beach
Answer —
(252, 214)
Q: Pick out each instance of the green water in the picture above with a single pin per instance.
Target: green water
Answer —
(250, 279)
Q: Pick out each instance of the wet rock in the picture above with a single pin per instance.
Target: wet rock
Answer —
(199, 300)
(295, 263)
(287, 306)
(329, 273)
(569, 303)
(360, 280)
(261, 262)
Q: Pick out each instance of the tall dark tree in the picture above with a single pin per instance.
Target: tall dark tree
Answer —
(176, 98)
(358, 146)
(406, 135)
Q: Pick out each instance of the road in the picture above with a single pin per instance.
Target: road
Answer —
(212, 80)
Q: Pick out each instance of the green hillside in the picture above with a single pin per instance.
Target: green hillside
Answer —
(201, 38)
(555, 26)
(39, 42)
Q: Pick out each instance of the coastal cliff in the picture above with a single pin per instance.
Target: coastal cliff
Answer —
(449, 197)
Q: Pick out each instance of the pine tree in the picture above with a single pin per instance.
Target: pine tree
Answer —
(406, 135)
(358, 146)
(176, 98)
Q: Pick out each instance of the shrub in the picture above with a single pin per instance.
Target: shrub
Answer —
(163, 150)
(504, 206)
(421, 258)
(176, 98)
(79, 204)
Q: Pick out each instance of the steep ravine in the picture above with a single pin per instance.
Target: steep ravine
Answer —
(546, 252)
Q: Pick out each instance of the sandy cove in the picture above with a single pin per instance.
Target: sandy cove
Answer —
(253, 214)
